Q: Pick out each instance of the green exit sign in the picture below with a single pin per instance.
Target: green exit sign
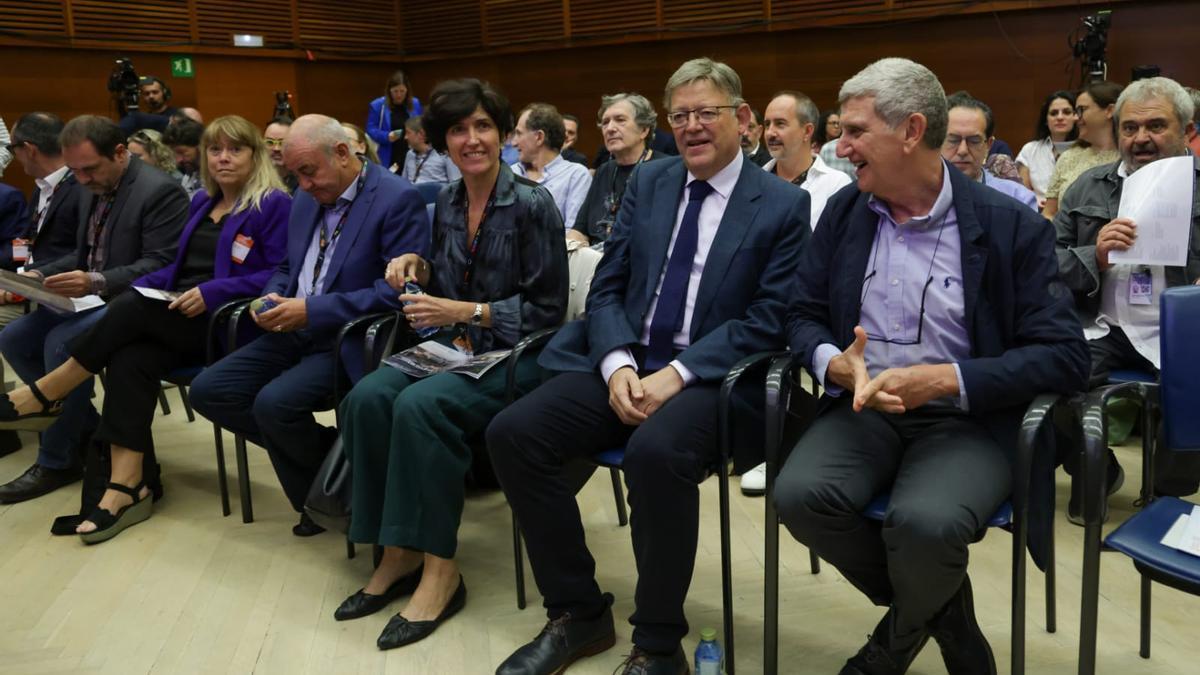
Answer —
(181, 66)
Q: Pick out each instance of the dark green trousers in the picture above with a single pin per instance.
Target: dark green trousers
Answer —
(409, 443)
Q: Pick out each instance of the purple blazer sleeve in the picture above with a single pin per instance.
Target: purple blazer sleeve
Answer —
(163, 277)
(267, 226)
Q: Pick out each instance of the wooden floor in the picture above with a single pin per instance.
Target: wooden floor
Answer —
(192, 592)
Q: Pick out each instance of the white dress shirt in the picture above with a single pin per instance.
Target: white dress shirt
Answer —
(820, 183)
(45, 192)
(711, 213)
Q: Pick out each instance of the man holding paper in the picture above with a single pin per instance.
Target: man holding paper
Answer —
(1116, 279)
(128, 228)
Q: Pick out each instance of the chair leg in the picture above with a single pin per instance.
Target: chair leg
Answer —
(239, 444)
(187, 402)
(350, 551)
(1090, 600)
(619, 495)
(1020, 536)
(1051, 587)
(162, 402)
(1145, 647)
(726, 571)
(814, 562)
(771, 585)
(222, 478)
(518, 562)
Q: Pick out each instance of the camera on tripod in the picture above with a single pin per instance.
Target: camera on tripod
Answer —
(123, 85)
(1091, 47)
(283, 105)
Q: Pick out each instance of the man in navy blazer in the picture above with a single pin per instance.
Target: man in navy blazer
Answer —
(929, 307)
(349, 218)
(694, 278)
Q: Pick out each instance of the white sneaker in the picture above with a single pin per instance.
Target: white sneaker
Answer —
(754, 481)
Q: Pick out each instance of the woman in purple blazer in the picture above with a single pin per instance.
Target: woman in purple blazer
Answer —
(235, 236)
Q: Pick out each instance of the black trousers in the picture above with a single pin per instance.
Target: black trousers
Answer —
(946, 474)
(137, 341)
(532, 445)
(1175, 473)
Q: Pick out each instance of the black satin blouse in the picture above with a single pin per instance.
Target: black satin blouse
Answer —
(520, 264)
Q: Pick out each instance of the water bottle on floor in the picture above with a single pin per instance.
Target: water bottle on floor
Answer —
(709, 657)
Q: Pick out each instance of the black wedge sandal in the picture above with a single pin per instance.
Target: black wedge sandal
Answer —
(109, 525)
(38, 421)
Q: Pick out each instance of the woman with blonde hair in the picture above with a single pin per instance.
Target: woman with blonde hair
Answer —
(147, 145)
(360, 143)
(235, 236)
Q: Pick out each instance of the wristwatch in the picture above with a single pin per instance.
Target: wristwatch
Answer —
(477, 315)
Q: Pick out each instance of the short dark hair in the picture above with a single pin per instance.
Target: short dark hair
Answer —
(545, 118)
(963, 99)
(186, 131)
(1043, 129)
(819, 134)
(285, 120)
(568, 116)
(39, 129)
(102, 132)
(453, 100)
(758, 119)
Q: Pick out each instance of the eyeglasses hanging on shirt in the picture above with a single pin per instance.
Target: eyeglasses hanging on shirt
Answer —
(924, 289)
(327, 240)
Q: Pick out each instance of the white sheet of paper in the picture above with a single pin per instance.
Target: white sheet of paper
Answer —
(156, 294)
(87, 302)
(1158, 198)
(1174, 536)
(1189, 541)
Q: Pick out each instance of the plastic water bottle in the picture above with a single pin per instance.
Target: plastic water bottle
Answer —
(411, 288)
(709, 657)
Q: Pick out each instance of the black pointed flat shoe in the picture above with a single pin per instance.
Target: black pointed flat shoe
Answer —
(399, 631)
(363, 604)
(38, 421)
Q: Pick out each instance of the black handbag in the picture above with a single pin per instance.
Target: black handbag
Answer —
(328, 502)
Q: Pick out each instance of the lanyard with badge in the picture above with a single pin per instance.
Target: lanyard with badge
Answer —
(20, 245)
(463, 342)
(325, 240)
(612, 202)
(1141, 286)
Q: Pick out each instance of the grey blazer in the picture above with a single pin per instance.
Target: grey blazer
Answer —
(142, 232)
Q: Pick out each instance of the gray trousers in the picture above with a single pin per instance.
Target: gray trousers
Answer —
(946, 474)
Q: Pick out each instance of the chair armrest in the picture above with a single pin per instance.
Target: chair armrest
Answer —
(1094, 463)
(1036, 416)
(779, 383)
(726, 397)
(532, 341)
(388, 328)
(229, 313)
(340, 340)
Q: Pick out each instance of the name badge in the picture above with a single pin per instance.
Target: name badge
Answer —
(241, 248)
(1141, 287)
(20, 250)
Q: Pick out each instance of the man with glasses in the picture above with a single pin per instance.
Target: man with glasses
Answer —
(695, 277)
(925, 307)
(1118, 303)
(275, 134)
(969, 140)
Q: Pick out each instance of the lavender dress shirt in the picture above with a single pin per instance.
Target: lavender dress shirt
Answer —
(901, 261)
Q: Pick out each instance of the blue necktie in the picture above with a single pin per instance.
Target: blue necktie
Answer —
(672, 299)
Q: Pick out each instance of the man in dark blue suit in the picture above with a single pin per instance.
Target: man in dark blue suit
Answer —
(349, 219)
(694, 278)
(929, 308)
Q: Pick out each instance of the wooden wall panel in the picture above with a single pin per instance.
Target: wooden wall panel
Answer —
(966, 51)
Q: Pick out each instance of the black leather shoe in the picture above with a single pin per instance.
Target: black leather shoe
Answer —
(563, 641)
(306, 527)
(399, 631)
(1115, 476)
(642, 662)
(886, 653)
(37, 481)
(965, 650)
(362, 603)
